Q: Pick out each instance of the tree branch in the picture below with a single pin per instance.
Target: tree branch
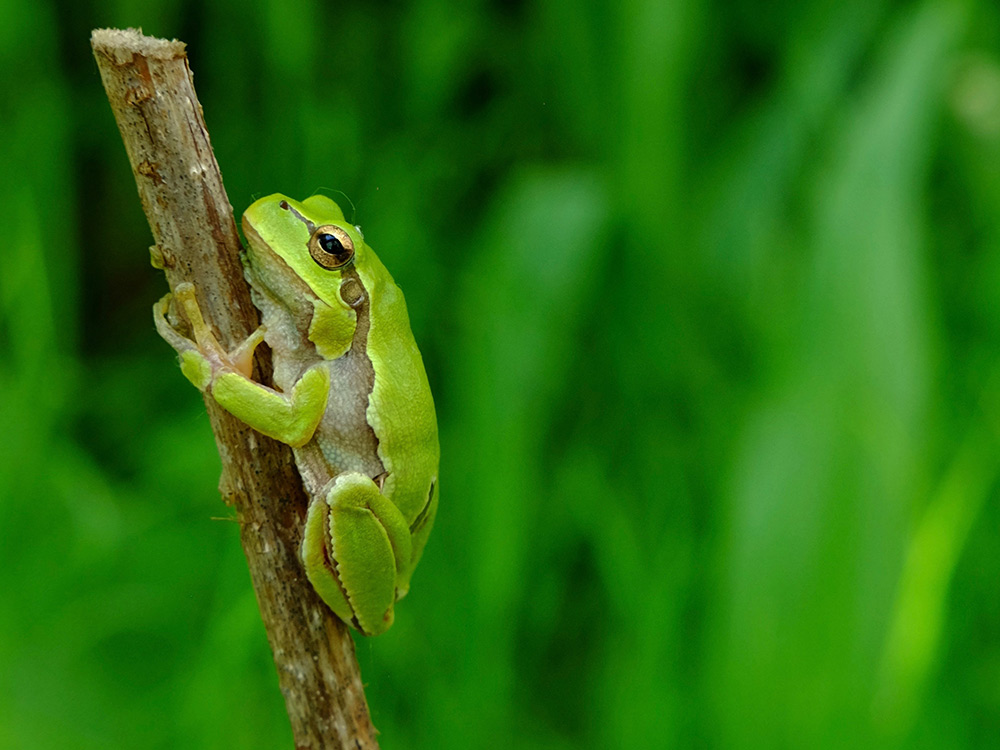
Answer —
(149, 85)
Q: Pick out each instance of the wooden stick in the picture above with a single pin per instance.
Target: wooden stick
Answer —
(149, 85)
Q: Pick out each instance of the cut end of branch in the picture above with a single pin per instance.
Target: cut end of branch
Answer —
(123, 43)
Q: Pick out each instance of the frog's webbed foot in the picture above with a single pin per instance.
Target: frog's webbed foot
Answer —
(202, 358)
(355, 546)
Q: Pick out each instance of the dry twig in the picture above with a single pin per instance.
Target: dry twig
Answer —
(149, 85)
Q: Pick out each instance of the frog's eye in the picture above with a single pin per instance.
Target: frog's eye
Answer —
(331, 246)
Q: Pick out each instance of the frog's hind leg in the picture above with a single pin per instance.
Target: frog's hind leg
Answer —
(355, 543)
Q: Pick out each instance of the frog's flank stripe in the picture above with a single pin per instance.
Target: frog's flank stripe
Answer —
(359, 349)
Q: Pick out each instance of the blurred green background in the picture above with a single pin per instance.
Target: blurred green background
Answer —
(707, 294)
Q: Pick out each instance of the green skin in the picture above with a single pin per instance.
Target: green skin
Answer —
(351, 398)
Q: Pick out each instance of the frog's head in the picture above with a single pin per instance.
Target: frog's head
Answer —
(292, 243)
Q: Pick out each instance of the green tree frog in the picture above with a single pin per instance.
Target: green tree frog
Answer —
(351, 398)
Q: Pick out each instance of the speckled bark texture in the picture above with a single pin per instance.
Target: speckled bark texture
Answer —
(149, 85)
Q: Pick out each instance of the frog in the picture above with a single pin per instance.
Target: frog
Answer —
(350, 396)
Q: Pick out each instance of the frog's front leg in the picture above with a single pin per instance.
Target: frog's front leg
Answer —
(290, 417)
(355, 545)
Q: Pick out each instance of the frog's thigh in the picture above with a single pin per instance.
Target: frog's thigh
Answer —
(354, 525)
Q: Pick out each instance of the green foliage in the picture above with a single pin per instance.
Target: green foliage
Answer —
(707, 295)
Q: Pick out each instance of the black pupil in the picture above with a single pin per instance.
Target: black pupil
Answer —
(331, 244)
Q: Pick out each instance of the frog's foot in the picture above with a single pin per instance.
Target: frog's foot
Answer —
(356, 543)
(202, 359)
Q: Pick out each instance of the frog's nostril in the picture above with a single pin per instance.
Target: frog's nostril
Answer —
(284, 205)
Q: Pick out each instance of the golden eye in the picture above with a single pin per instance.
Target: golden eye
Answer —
(331, 247)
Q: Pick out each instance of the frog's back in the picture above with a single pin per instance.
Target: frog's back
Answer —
(400, 407)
